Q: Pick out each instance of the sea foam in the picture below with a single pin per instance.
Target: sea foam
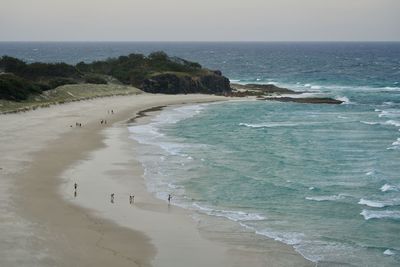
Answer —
(373, 204)
(327, 198)
(388, 252)
(268, 125)
(397, 142)
(370, 122)
(344, 99)
(230, 214)
(388, 187)
(393, 122)
(389, 113)
(384, 214)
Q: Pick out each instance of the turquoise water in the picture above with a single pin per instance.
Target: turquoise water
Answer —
(323, 178)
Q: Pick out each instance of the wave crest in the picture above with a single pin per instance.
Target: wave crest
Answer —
(268, 125)
(388, 187)
(230, 214)
(327, 198)
(384, 214)
(373, 204)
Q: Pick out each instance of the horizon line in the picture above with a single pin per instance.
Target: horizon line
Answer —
(209, 41)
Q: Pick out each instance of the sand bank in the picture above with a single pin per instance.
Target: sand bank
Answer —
(44, 224)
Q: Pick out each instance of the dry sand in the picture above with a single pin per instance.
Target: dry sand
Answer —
(42, 223)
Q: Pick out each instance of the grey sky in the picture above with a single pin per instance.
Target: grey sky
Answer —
(199, 20)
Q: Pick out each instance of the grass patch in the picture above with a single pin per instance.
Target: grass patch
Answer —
(65, 94)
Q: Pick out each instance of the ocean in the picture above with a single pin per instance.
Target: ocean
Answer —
(322, 178)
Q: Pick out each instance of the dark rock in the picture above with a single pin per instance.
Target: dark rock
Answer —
(217, 72)
(264, 88)
(215, 83)
(308, 100)
(179, 83)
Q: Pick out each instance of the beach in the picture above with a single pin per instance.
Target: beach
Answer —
(44, 224)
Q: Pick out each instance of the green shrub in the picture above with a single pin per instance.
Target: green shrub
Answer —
(15, 88)
(95, 79)
(60, 81)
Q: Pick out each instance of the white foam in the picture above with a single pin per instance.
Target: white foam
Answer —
(384, 214)
(230, 214)
(373, 204)
(369, 122)
(392, 88)
(388, 187)
(149, 134)
(388, 122)
(344, 99)
(388, 252)
(388, 103)
(327, 198)
(269, 125)
(287, 238)
(370, 173)
(389, 113)
(397, 142)
(393, 122)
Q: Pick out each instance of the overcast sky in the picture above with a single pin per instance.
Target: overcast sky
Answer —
(199, 20)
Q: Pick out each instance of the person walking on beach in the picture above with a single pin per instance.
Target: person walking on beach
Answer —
(75, 189)
(112, 198)
(169, 198)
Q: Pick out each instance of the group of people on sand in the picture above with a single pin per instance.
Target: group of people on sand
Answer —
(103, 121)
(77, 124)
(112, 196)
(131, 198)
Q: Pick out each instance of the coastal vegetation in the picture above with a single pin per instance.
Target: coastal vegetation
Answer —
(29, 85)
(155, 73)
(66, 93)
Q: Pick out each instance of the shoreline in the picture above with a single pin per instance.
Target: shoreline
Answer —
(66, 234)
